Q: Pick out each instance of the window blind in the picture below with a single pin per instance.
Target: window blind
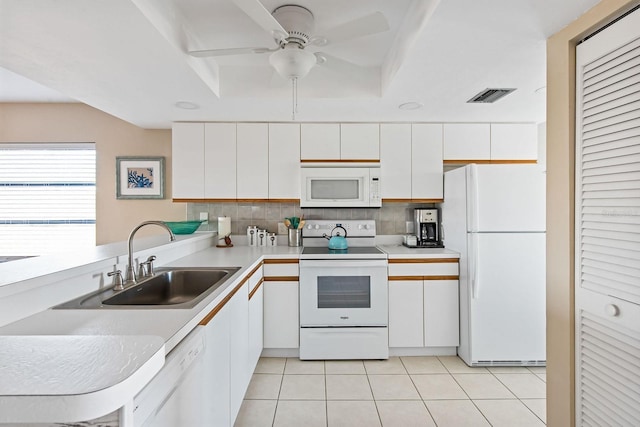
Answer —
(47, 198)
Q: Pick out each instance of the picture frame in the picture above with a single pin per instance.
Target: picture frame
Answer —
(140, 177)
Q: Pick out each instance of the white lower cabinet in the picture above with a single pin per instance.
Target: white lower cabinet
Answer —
(217, 362)
(281, 321)
(423, 303)
(256, 315)
(239, 349)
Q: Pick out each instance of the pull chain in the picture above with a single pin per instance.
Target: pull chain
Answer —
(294, 97)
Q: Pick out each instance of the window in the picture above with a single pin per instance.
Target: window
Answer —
(47, 198)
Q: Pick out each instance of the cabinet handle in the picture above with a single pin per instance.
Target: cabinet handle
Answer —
(612, 310)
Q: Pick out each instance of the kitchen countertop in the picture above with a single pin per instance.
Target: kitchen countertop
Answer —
(400, 251)
(132, 331)
(95, 326)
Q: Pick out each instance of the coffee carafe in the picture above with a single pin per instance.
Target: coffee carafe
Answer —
(427, 228)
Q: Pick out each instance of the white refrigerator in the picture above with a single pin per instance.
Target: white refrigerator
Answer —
(494, 215)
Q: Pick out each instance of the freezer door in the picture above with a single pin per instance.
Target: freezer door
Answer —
(507, 297)
(507, 198)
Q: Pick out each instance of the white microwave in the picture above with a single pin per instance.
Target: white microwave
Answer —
(340, 185)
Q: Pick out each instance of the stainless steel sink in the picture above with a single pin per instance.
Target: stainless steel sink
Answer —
(169, 288)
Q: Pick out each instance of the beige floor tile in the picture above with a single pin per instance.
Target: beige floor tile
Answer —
(455, 365)
(296, 413)
(348, 387)
(538, 369)
(270, 365)
(456, 413)
(538, 407)
(509, 370)
(340, 367)
(423, 365)
(264, 386)
(543, 377)
(481, 386)
(404, 413)
(393, 387)
(385, 367)
(256, 413)
(303, 387)
(438, 386)
(297, 366)
(352, 414)
(524, 386)
(508, 413)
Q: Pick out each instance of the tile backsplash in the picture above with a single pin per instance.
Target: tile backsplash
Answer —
(390, 219)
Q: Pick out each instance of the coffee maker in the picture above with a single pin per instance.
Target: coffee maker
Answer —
(427, 228)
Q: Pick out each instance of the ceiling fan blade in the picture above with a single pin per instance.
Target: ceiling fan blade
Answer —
(229, 51)
(364, 26)
(256, 11)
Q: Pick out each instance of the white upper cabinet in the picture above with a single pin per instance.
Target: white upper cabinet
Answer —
(514, 141)
(284, 161)
(187, 162)
(467, 141)
(219, 160)
(320, 141)
(253, 161)
(426, 161)
(395, 160)
(359, 141)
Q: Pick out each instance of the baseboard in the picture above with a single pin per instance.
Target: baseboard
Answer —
(422, 351)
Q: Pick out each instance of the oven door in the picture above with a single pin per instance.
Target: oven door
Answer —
(343, 293)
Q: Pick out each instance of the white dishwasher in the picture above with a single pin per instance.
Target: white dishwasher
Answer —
(174, 396)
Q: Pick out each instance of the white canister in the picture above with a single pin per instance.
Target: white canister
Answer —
(252, 235)
(262, 238)
(272, 239)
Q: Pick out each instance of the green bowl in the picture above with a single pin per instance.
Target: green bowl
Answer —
(183, 227)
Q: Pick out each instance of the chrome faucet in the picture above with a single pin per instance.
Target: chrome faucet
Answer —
(130, 276)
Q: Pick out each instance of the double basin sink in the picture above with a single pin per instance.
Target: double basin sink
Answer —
(168, 288)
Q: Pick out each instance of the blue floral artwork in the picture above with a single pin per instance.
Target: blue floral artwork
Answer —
(140, 177)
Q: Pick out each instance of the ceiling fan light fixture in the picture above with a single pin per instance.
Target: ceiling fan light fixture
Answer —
(292, 62)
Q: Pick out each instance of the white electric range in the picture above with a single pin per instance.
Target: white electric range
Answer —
(343, 293)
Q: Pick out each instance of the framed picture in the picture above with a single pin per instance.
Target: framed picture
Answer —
(140, 177)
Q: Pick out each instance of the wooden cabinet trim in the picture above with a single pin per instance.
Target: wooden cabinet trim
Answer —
(235, 200)
(412, 200)
(281, 279)
(488, 162)
(256, 268)
(422, 260)
(420, 278)
(281, 261)
(255, 289)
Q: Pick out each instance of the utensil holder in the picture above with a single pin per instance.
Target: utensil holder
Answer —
(295, 237)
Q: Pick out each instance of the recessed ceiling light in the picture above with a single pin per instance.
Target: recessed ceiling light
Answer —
(412, 105)
(186, 105)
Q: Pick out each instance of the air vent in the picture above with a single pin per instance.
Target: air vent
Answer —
(488, 96)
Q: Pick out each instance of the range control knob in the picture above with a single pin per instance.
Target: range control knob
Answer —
(317, 227)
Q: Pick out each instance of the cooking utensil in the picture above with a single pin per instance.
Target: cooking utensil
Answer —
(287, 223)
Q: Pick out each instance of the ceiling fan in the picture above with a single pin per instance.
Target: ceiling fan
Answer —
(292, 28)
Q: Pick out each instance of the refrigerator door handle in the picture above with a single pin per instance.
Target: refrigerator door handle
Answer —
(473, 260)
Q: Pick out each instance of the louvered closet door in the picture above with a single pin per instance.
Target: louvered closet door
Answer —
(608, 226)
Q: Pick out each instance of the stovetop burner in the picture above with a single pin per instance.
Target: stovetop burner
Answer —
(361, 236)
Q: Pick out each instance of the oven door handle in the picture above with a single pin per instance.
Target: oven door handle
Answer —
(333, 263)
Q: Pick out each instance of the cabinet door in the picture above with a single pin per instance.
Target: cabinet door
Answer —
(395, 159)
(320, 141)
(441, 324)
(281, 322)
(217, 362)
(405, 313)
(467, 141)
(514, 141)
(284, 161)
(187, 163)
(360, 141)
(253, 161)
(426, 161)
(239, 349)
(220, 160)
(255, 327)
